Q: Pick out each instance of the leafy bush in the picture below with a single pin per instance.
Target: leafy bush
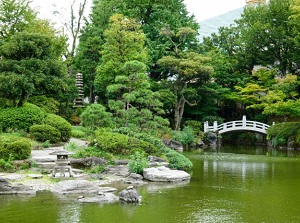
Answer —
(186, 136)
(93, 152)
(7, 165)
(43, 133)
(61, 124)
(122, 144)
(178, 161)
(280, 133)
(138, 161)
(20, 118)
(195, 125)
(95, 116)
(76, 133)
(18, 148)
(142, 136)
(48, 105)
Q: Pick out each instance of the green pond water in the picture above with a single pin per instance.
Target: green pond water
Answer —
(231, 184)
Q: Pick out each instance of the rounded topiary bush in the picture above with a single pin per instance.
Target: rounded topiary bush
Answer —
(43, 133)
(61, 124)
(18, 148)
(122, 144)
(20, 118)
(178, 161)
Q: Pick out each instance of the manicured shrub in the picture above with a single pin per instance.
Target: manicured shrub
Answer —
(178, 161)
(16, 147)
(61, 124)
(43, 133)
(20, 118)
(95, 116)
(122, 144)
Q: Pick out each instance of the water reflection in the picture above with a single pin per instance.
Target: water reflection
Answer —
(69, 212)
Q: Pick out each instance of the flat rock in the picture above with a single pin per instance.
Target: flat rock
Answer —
(106, 190)
(35, 176)
(164, 174)
(74, 187)
(8, 188)
(118, 170)
(102, 198)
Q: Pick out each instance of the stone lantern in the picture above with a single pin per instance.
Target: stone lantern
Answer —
(62, 162)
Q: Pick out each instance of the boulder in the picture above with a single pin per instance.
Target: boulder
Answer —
(118, 170)
(7, 188)
(157, 161)
(87, 162)
(135, 178)
(173, 144)
(164, 174)
(130, 195)
(74, 187)
(100, 198)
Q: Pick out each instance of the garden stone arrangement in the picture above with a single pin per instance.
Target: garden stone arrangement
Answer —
(81, 185)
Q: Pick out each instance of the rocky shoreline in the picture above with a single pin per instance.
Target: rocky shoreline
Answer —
(88, 187)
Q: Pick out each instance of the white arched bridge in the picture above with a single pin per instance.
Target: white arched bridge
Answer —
(241, 125)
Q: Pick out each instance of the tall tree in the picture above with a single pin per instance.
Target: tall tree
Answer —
(29, 63)
(184, 69)
(15, 16)
(136, 106)
(124, 42)
(152, 15)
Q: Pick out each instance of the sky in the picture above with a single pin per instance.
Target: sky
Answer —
(202, 9)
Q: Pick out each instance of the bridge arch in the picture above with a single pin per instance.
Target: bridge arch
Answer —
(240, 125)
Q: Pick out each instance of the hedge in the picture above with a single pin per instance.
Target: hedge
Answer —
(43, 133)
(18, 148)
(61, 124)
(20, 118)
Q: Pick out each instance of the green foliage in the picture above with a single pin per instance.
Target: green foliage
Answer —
(76, 133)
(186, 136)
(16, 147)
(138, 161)
(212, 119)
(195, 125)
(46, 144)
(137, 105)
(43, 133)
(116, 143)
(95, 116)
(20, 118)
(281, 132)
(7, 165)
(47, 104)
(178, 161)
(96, 169)
(93, 151)
(29, 65)
(80, 129)
(61, 124)
(141, 136)
(124, 42)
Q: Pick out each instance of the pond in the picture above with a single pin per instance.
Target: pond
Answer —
(231, 184)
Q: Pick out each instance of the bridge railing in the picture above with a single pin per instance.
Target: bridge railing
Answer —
(237, 125)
